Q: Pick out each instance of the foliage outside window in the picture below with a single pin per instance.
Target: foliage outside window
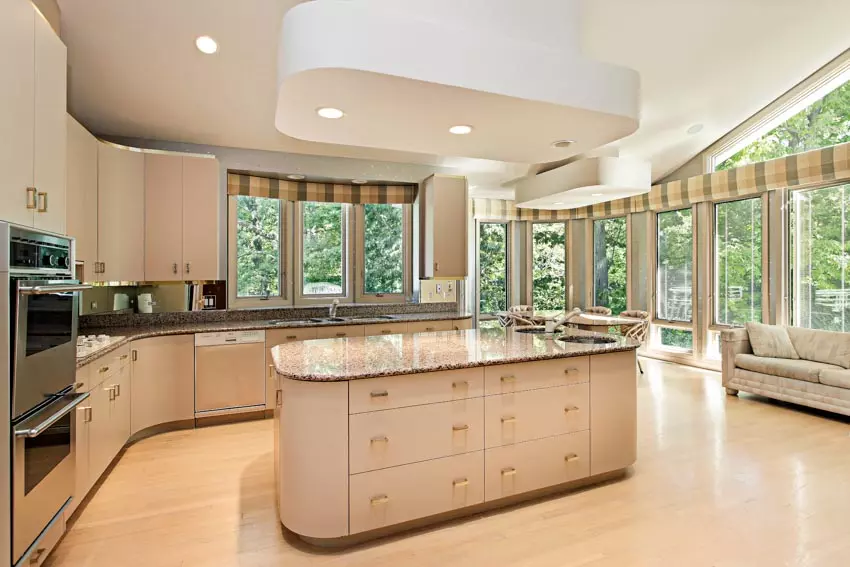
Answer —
(609, 263)
(737, 262)
(258, 269)
(549, 259)
(677, 338)
(383, 254)
(822, 124)
(820, 248)
(493, 267)
(323, 252)
(674, 281)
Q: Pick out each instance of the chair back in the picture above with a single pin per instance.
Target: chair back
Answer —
(638, 331)
(510, 319)
(598, 310)
(519, 309)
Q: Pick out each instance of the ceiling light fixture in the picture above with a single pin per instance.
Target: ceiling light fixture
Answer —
(695, 129)
(206, 44)
(563, 143)
(296, 176)
(359, 181)
(558, 203)
(330, 112)
(460, 129)
(596, 194)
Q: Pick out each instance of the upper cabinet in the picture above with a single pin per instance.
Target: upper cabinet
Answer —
(120, 214)
(81, 196)
(441, 235)
(32, 119)
(181, 220)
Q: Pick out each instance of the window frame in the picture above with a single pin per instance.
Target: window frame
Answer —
(591, 285)
(299, 297)
(530, 259)
(360, 294)
(508, 266)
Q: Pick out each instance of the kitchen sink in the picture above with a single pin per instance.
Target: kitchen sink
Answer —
(328, 320)
(588, 340)
(534, 330)
(276, 322)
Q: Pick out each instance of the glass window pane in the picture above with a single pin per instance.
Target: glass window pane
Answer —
(323, 253)
(549, 257)
(737, 262)
(493, 266)
(609, 263)
(820, 244)
(257, 246)
(675, 263)
(677, 338)
(383, 248)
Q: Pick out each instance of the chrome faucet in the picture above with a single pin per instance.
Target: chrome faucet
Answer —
(332, 309)
(552, 324)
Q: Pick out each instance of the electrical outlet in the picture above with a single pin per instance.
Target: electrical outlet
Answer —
(439, 288)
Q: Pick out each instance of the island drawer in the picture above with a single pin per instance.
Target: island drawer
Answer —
(391, 496)
(507, 378)
(389, 438)
(276, 337)
(533, 414)
(377, 329)
(414, 389)
(514, 469)
(429, 326)
(339, 331)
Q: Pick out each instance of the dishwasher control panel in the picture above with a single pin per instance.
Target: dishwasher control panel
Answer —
(229, 338)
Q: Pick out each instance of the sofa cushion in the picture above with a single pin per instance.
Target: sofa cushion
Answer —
(798, 369)
(837, 378)
(821, 346)
(770, 340)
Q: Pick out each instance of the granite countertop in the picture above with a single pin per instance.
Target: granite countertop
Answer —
(330, 360)
(143, 332)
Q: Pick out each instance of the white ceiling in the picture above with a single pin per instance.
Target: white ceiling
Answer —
(134, 71)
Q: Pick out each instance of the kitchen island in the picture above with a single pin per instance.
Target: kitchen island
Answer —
(379, 434)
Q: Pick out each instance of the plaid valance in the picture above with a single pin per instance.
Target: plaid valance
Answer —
(808, 169)
(255, 186)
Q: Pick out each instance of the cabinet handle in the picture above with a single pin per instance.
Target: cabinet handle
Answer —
(571, 457)
(292, 337)
(571, 371)
(35, 558)
(278, 398)
(460, 482)
(42, 198)
(460, 428)
(174, 267)
(32, 198)
(341, 334)
(111, 391)
(460, 384)
(103, 369)
(386, 332)
(569, 409)
(125, 356)
(270, 370)
(378, 500)
(379, 439)
(79, 385)
(87, 414)
(188, 267)
(135, 355)
(436, 266)
(379, 394)
(509, 471)
(510, 378)
(117, 390)
(509, 419)
(429, 329)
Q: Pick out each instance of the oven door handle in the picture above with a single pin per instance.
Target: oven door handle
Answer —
(53, 288)
(36, 425)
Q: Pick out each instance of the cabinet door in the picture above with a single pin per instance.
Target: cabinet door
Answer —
(81, 196)
(163, 217)
(100, 433)
(50, 127)
(163, 381)
(276, 337)
(120, 213)
(200, 218)
(450, 234)
(82, 482)
(17, 110)
(120, 412)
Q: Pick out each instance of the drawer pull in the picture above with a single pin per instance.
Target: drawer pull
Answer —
(386, 331)
(510, 378)
(341, 334)
(291, 337)
(103, 369)
(378, 500)
(569, 409)
(379, 394)
(460, 428)
(571, 457)
(380, 439)
(125, 356)
(571, 371)
(509, 471)
(509, 419)
(79, 385)
(460, 384)
(460, 482)
(429, 329)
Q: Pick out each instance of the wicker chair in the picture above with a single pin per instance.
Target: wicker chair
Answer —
(514, 317)
(598, 310)
(637, 331)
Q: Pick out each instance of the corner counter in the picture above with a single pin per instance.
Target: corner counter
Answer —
(379, 434)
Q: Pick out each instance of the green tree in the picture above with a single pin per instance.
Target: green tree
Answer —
(738, 257)
(257, 246)
(323, 247)
(674, 278)
(492, 262)
(549, 257)
(383, 248)
(609, 263)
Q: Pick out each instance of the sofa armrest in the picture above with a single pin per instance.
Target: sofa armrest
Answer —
(732, 342)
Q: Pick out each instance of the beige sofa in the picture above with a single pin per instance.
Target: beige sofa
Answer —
(819, 379)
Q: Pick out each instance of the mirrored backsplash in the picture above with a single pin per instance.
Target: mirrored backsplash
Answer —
(154, 298)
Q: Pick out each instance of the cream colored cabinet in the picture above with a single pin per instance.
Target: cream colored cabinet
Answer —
(384, 329)
(120, 214)
(462, 324)
(32, 119)
(119, 412)
(428, 326)
(163, 381)
(99, 432)
(81, 195)
(440, 212)
(276, 337)
(200, 218)
(340, 331)
(82, 444)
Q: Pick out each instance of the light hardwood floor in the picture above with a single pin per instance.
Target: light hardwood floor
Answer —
(719, 482)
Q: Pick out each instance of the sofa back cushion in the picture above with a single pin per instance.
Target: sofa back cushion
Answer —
(771, 341)
(821, 346)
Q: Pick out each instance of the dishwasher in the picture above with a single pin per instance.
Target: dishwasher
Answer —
(230, 372)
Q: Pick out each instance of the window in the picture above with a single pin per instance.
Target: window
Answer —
(383, 250)
(820, 248)
(258, 247)
(676, 339)
(492, 267)
(549, 259)
(609, 263)
(674, 283)
(324, 249)
(738, 262)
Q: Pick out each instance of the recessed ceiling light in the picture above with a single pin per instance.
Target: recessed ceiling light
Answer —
(558, 203)
(206, 44)
(359, 181)
(330, 112)
(563, 143)
(296, 176)
(596, 194)
(460, 129)
(695, 129)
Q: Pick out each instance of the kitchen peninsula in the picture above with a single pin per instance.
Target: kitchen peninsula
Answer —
(378, 434)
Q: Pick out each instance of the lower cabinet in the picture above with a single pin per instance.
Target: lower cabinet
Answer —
(163, 385)
(276, 337)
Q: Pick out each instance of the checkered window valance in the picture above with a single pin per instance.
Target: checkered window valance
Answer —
(816, 167)
(255, 186)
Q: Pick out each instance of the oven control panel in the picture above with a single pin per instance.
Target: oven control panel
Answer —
(32, 250)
